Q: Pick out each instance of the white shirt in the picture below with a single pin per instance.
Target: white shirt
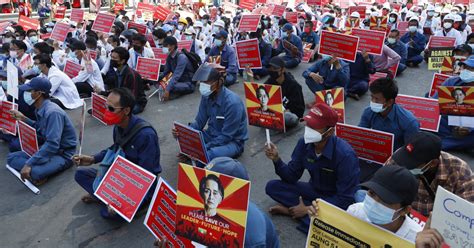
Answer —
(452, 33)
(132, 61)
(93, 79)
(59, 58)
(63, 88)
(199, 49)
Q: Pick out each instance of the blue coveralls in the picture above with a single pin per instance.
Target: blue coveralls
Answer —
(360, 70)
(401, 49)
(260, 231)
(290, 61)
(228, 60)
(311, 38)
(414, 50)
(332, 78)
(265, 55)
(182, 69)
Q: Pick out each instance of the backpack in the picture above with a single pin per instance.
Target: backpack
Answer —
(193, 58)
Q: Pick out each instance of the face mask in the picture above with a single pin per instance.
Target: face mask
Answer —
(180, 27)
(49, 30)
(72, 55)
(376, 107)
(284, 35)
(447, 25)
(109, 48)
(430, 13)
(377, 213)
(166, 50)
(466, 76)
(325, 57)
(205, 89)
(311, 135)
(412, 29)
(265, 22)
(111, 118)
(36, 69)
(307, 30)
(392, 19)
(28, 99)
(189, 37)
(218, 42)
(5, 85)
(457, 57)
(34, 39)
(7, 40)
(391, 40)
(114, 63)
(420, 171)
(13, 54)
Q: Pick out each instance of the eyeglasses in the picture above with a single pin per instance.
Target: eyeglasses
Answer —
(112, 108)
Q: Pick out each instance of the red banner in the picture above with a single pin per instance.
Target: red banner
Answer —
(28, 139)
(28, 23)
(139, 27)
(291, 17)
(158, 52)
(161, 13)
(185, 44)
(438, 80)
(247, 4)
(249, 23)
(124, 186)
(103, 23)
(360, 9)
(441, 41)
(376, 76)
(455, 100)
(370, 41)
(265, 106)
(248, 54)
(60, 32)
(77, 15)
(333, 98)
(99, 105)
(339, 45)
(369, 144)
(149, 68)
(118, 7)
(72, 68)
(191, 143)
(426, 110)
(7, 122)
(60, 12)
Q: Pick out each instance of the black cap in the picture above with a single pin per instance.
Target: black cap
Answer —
(463, 48)
(206, 73)
(77, 45)
(393, 184)
(170, 40)
(420, 149)
(277, 62)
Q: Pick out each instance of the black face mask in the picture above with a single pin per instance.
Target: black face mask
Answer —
(273, 74)
(114, 63)
(137, 48)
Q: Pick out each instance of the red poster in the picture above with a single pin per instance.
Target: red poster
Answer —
(158, 52)
(149, 68)
(60, 31)
(339, 45)
(145, 7)
(161, 215)
(313, 2)
(278, 10)
(265, 106)
(394, 69)
(103, 23)
(77, 15)
(211, 208)
(249, 23)
(45, 36)
(93, 54)
(418, 217)
(247, 4)
(372, 145)
(308, 53)
(441, 41)
(185, 44)
(360, 9)
(124, 186)
(60, 12)
(292, 17)
(248, 54)
(139, 27)
(333, 98)
(7, 122)
(28, 23)
(456, 100)
(28, 139)
(149, 38)
(352, 23)
(403, 28)
(72, 68)
(191, 143)
(370, 41)
(118, 7)
(99, 105)
(376, 76)
(438, 80)
(426, 110)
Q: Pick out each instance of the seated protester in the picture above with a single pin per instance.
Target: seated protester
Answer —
(386, 60)
(265, 54)
(291, 45)
(43, 47)
(197, 47)
(470, 39)
(224, 113)
(415, 42)
(327, 73)
(331, 162)
(328, 21)
(227, 56)
(134, 139)
(20, 58)
(91, 44)
(387, 204)
(33, 37)
(462, 52)
(360, 71)
(449, 31)
(393, 20)
(293, 99)
(56, 135)
(139, 50)
(86, 81)
(158, 36)
(460, 25)
(393, 41)
(422, 155)
(63, 90)
(112, 43)
(181, 68)
(309, 36)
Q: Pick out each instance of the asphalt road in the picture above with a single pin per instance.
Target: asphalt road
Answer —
(57, 217)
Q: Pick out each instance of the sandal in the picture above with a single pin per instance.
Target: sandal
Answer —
(88, 199)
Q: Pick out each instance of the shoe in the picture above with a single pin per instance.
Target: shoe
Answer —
(89, 111)
(354, 96)
(40, 182)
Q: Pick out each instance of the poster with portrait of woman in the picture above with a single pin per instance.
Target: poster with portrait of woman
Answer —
(265, 106)
(334, 98)
(211, 208)
(455, 100)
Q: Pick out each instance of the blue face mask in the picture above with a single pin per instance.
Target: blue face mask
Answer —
(36, 69)
(205, 89)
(378, 213)
(376, 107)
(467, 76)
(166, 50)
(284, 35)
(28, 99)
(218, 42)
(325, 57)
(72, 55)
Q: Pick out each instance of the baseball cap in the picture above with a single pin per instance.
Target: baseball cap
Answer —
(321, 116)
(463, 48)
(287, 27)
(469, 61)
(277, 62)
(421, 148)
(228, 166)
(221, 34)
(38, 84)
(77, 45)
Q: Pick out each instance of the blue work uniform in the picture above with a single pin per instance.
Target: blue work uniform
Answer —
(228, 60)
(332, 78)
(360, 75)
(55, 130)
(401, 49)
(265, 56)
(226, 121)
(334, 176)
(311, 38)
(415, 48)
(290, 60)
(183, 71)
(260, 231)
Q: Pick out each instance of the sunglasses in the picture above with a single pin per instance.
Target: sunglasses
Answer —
(112, 109)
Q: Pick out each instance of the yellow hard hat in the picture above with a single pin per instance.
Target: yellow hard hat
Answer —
(183, 20)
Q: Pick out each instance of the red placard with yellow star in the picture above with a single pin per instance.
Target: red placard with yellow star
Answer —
(264, 106)
(455, 100)
(334, 98)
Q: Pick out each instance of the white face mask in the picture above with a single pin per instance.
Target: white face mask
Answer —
(392, 19)
(13, 54)
(311, 135)
(376, 107)
(447, 25)
(391, 40)
(412, 29)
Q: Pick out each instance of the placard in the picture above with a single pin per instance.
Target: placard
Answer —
(139, 27)
(249, 23)
(371, 41)
(291, 17)
(191, 143)
(456, 100)
(161, 13)
(333, 98)
(60, 12)
(436, 57)
(247, 4)
(264, 104)
(425, 110)
(77, 15)
(185, 44)
(278, 10)
(124, 187)
(379, 23)
(352, 23)
(28, 23)
(159, 54)
(145, 7)
(403, 28)
(308, 53)
(12, 80)
(60, 31)
(211, 208)
(360, 9)
(72, 68)
(451, 66)
(149, 68)
(441, 41)
(394, 69)
(438, 80)
(313, 2)
(103, 23)
(369, 144)
(248, 54)
(7, 122)
(99, 106)
(376, 76)
(339, 45)
(28, 138)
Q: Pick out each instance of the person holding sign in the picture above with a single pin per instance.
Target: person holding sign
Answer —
(360, 71)
(227, 55)
(386, 60)
(139, 50)
(265, 54)
(134, 139)
(291, 45)
(309, 36)
(449, 31)
(393, 41)
(415, 42)
(327, 73)
(331, 162)
(55, 131)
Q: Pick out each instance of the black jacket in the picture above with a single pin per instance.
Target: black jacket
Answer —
(131, 80)
(292, 94)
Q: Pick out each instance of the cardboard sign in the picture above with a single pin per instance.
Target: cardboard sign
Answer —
(438, 80)
(72, 68)
(335, 227)
(139, 27)
(376, 76)
(99, 106)
(450, 65)
(149, 68)
(378, 23)
(247, 4)
(103, 23)
(12, 80)
(308, 53)
(7, 122)
(425, 110)
(456, 100)
(159, 54)
(124, 187)
(191, 143)
(360, 9)
(249, 23)
(441, 41)
(77, 15)
(211, 223)
(161, 13)
(185, 44)
(248, 54)
(371, 41)
(265, 106)
(28, 139)
(165, 80)
(28, 23)
(60, 12)
(436, 57)
(60, 31)
(333, 98)
(339, 45)
(292, 17)
(371, 145)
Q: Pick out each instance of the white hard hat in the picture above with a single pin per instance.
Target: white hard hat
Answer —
(219, 23)
(449, 17)
(457, 18)
(413, 18)
(198, 24)
(355, 14)
(386, 5)
(430, 8)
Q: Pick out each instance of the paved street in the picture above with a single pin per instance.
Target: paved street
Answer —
(57, 217)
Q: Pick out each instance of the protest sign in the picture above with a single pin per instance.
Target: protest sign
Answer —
(438, 80)
(161, 12)
(333, 98)
(436, 57)
(441, 41)
(418, 217)
(335, 227)
(216, 222)
(265, 106)
(313, 2)
(28, 138)
(278, 10)
(149, 68)
(28, 23)
(455, 100)
(77, 15)
(149, 38)
(139, 27)
(308, 53)
(159, 54)
(378, 23)
(352, 23)
(403, 28)
(145, 7)
(376, 76)
(451, 65)
(7, 122)
(339, 45)
(60, 12)
(12, 80)
(72, 68)
(292, 17)
(165, 80)
(191, 143)
(371, 41)
(117, 7)
(453, 217)
(247, 4)
(425, 110)
(185, 44)
(394, 69)
(248, 54)
(60, 31)
(360, 9)
(99, 106)
(103, 23)
(124, 187)
(161, 215)
(249, 23)
(369, 144)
